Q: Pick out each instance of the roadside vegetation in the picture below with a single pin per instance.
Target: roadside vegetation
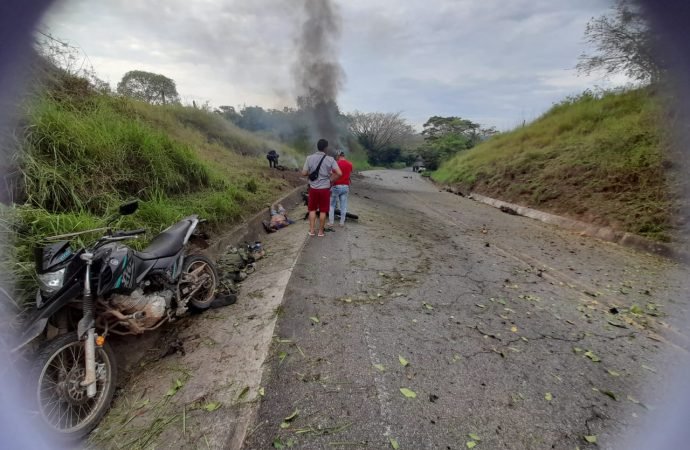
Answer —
(84, 152)
(596, 157)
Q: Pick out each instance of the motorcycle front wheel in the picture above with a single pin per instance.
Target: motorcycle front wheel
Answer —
(200, 279)
(61, 400)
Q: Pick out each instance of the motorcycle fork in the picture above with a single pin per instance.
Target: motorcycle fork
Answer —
(87, 326)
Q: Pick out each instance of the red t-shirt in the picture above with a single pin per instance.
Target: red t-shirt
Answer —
(346, 168)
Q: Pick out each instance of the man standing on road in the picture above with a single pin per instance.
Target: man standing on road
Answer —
(322, 170)
(340, 190)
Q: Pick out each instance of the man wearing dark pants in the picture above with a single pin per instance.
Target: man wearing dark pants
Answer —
(325, 171)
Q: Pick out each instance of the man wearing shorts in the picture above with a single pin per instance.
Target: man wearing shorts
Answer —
(320, 187)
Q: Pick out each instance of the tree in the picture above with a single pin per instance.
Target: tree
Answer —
(149, 87)
(445, 136)
(438, 127)
(378, 131)
(624, 44)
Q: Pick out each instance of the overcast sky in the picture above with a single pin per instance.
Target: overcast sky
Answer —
(496, 62)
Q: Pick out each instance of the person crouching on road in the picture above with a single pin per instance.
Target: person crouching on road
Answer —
(322, 170)
(340, 190)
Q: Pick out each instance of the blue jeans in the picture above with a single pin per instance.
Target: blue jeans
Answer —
(338, 194)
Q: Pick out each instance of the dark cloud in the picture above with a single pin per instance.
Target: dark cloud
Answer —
(493, 59)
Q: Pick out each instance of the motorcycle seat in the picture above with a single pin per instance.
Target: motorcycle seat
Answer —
(168, 243)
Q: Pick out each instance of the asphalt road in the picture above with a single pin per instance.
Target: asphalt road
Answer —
(514, 332)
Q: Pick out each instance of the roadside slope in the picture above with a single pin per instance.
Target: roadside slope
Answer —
(599, 158)
(84, 152)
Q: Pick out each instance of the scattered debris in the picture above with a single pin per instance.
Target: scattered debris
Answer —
(408, 393)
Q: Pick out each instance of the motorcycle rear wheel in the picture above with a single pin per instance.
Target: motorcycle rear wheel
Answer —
(62, 403)
(202, 298)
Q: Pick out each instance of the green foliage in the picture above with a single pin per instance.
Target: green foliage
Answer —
(85, 154)
(593, 156)
(148, 87)
(442, 148)
(446, 136)
(82, 157)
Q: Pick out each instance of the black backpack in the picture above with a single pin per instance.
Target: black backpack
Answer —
(315, 174)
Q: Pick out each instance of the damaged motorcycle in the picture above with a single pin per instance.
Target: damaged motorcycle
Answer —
(87, 294)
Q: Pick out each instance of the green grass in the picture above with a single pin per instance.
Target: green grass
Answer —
(593, 157)
(83, 156)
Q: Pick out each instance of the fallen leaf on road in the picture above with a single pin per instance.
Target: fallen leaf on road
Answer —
(616, 324)
(613, 373)
(243, 392)
(651, 369)
(637, 402)
(548, 397)
(277, 443)
(513, 329)
(212, 406)
(427, 306)
(609, 394)
(479, 305)
(394, 444)
(175, 387)
(635, 309)
(591, 439)
(473, 437)
(285, 425)
(403, 361)
(471, 444)
(590, 354)
(292, 416)
(314, 319)
(577, 349)
(262, 391)
(282, 356)
(408, 393)
(380, 367)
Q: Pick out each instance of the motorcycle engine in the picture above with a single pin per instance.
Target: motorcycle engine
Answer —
(153, 306)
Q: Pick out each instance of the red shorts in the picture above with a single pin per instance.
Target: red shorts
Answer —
(319, 199)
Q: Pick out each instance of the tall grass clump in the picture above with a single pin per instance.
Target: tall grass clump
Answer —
(80, 158)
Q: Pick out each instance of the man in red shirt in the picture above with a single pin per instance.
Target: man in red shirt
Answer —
(340, 190)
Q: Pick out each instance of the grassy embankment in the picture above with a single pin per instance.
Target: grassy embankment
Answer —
(85, 153)
(597, 158)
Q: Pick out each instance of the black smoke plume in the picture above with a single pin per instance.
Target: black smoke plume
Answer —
(318, 73)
